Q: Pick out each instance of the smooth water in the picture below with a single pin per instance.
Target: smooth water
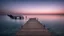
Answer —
(54, 23)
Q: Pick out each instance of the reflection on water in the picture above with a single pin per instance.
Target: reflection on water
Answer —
(8, 26)
(55, 23)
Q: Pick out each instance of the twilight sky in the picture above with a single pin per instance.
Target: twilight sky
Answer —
(32, 6)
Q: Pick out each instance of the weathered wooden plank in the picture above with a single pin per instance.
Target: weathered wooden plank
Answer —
(33, 28)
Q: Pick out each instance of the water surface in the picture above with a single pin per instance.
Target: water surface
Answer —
(54, 23)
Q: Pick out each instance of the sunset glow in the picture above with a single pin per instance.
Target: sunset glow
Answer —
(34, 7)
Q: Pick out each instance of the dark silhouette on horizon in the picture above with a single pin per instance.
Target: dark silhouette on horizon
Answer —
(16, 17)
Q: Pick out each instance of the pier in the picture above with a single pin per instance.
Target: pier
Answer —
(33, 28)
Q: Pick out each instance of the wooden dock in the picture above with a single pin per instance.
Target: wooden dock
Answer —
(33, 28)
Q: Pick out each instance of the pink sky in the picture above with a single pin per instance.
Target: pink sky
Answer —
(34, 8)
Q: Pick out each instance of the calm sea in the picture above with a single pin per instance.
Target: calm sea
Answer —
(54, 23)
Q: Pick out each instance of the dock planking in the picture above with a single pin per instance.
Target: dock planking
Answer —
(33, 28)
